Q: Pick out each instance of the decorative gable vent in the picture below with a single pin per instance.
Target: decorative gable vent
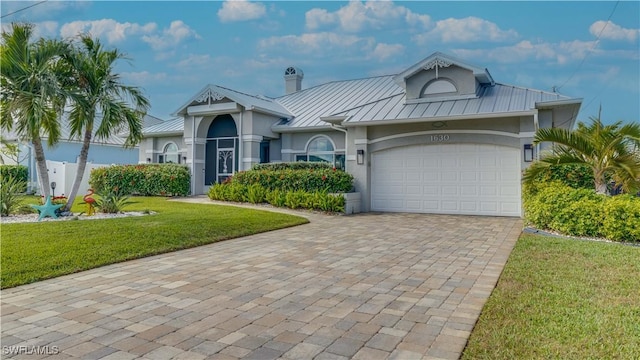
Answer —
(208, 96)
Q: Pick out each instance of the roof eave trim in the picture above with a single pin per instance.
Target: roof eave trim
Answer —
(554, 103)
(270, 112)
(289, 129)
(162, 133)
(440, 118)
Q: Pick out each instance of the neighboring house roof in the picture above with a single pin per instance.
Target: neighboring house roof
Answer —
(170, 127)
(65, 131)
(492, 101)
(249, 102)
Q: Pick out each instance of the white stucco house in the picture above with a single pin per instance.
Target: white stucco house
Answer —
(440, 137)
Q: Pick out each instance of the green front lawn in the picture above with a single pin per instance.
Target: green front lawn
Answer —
(35, 251)
(562, 299)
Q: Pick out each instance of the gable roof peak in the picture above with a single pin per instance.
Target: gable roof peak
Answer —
(439, 59)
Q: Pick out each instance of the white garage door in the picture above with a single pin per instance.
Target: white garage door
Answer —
(470, 179)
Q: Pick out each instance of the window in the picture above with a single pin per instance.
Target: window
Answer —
(439, 86)
(321, 148)
(170, 154)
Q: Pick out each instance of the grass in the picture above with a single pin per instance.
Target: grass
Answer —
(562, 299)
(31, 252)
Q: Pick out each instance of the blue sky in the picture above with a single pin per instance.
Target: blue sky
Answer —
(176, 48)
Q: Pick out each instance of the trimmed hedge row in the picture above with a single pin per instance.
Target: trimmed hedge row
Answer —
(19, 173)
(294, 199)
(298, 165)
(142, 179)
(577, 176)
(312, 179)
(582, 212)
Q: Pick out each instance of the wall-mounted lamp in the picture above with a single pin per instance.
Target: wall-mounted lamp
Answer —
(528, 152)
(360, 157)
(148, 160)
(184, 159)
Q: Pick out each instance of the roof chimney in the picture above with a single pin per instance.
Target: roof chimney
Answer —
(293, 79)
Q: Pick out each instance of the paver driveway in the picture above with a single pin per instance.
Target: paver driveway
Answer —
(372, 286)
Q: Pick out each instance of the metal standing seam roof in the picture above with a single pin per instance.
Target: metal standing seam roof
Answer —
(309, 105)
(498, 99)
(165, 128)
(250, 102)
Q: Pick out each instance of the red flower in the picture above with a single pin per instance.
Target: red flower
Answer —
(324, 177)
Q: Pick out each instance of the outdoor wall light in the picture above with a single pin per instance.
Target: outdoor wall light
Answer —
(360, 157)
(148, 160)
(528, 152)
(184, 159)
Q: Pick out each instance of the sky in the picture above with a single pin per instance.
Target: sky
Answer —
(582, 49)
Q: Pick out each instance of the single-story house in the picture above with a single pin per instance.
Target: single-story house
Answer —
(440, 137)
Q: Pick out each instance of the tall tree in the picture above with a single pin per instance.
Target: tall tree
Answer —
(100, 91)
(611, 151)
(32, 98)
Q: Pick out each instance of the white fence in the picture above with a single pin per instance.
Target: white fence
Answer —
(64, 173)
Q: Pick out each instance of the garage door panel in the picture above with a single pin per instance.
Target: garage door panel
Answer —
(447, 178)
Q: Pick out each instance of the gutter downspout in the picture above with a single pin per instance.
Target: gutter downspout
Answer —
(193, 156)
(536, 127)
(241, 145)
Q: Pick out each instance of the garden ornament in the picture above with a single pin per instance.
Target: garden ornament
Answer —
(47, 209)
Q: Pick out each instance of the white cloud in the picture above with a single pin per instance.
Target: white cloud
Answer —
(110, 29)
(469, 29)
(172, 36)
(384, 51)
(560, 53)
(193, 61)
(609, 30)
(241, 10)
(322, 42)
(142, 78)
(46, 29)
(358, 16)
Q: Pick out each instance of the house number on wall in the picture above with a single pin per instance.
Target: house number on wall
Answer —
(439, 137)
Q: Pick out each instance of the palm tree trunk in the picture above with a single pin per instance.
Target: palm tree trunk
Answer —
(41, 164)
(82, 165)
(601, 186)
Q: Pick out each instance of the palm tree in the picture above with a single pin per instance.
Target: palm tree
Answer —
(611, 151)
(32, 98)
(99, 90)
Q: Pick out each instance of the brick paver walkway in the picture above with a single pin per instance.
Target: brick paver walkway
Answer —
(372, 286)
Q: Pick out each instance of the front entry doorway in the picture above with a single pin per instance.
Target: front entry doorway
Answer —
(221, 150)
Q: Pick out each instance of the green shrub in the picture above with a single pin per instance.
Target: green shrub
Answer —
(276, 198)
(320, 179)
(298, 165)
(218, 192)
(143, 179)
(256, 194)
(577, 176)
(582, 212)
(17, 172)
(111, 202)
(622, 218)
(296, 199)
(10, 189)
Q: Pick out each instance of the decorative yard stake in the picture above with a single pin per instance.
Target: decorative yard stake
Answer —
(48, 209)
(90, 203)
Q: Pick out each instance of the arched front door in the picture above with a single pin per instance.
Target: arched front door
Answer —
(221, 150)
